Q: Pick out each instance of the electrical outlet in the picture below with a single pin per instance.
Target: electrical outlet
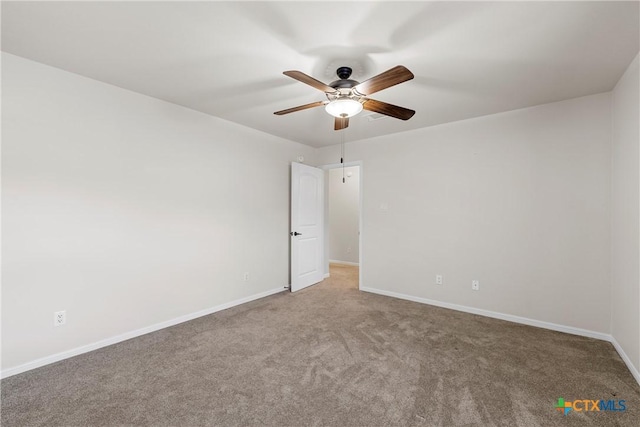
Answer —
(475, 285)
(348, 250)
(59, 318)
(438, 279)
(245, 277)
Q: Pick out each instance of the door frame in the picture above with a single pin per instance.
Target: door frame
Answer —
(360, 216)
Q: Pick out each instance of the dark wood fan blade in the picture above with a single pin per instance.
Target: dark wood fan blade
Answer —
(341, 123)
(300, 108)
(388, 109)
(302, 77)
(392, 77)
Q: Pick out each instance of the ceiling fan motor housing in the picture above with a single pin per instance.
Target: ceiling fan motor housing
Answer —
(343, 84)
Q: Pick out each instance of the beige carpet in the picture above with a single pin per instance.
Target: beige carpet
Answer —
(330, 355)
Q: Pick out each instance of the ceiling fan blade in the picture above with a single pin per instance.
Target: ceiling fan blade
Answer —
(341, 123)
(302, 77)
(392, 77)
(300, 108)
(388, 109)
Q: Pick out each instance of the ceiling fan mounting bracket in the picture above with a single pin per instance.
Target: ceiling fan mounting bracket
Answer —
(344, 72)
(344, 83)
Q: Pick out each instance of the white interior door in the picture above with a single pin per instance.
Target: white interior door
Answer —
(307, 226)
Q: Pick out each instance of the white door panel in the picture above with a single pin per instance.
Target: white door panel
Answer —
(307, 226)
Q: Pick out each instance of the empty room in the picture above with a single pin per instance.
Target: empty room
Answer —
(292, 213)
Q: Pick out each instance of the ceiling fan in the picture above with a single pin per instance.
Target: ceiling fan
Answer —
(346, 98)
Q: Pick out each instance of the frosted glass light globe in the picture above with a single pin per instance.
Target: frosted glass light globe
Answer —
(344, 107)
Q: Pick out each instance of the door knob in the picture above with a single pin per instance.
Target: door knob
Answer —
(295, 233)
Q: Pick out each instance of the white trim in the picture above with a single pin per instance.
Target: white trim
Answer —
(335, 261)
(496, 315)
(626, 359)
(327, 275)
(133, 334)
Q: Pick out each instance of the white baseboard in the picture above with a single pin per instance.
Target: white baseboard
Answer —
(626, 359)
(517, 319)
(335, 261)
(496, 315)
(326, 275)
(128, 335)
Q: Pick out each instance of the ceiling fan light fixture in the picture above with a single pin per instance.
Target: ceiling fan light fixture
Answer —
(343, 107)
(346, 98)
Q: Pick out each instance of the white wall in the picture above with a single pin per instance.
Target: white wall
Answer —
(126, 211)
(344, 215)
(517, 200)
(625, 215)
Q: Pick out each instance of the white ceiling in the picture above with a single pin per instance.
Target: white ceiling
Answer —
(226, 58)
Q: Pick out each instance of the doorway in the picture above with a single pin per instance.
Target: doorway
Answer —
(343, 219)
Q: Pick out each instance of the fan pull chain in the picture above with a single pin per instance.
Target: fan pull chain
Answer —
(342, 155)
